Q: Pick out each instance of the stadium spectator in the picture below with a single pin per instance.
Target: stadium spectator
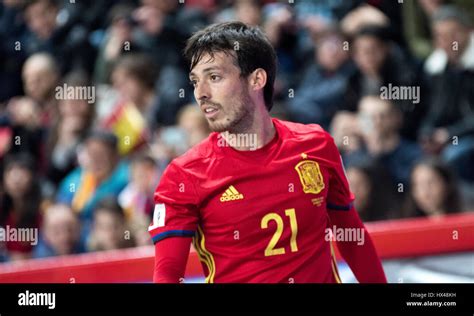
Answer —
(41, 17)
(330, 10)
(60, 233)
(132, 113)
(346, 131)
(375, 197)
(193, 123)
(75, 119)
(40, 77)
(321, 90)
(417, 23)
(449, 124)
(26, 117)
(380, 121)
(22, 132)
(393, 10)
(434, 190)
(282, 29)
(117, 40)
(417, 29)
(100, 173)
(109, 229)
(168, 143)
(134, 78)
(246, 11)
(137, 197)
(380, 64)
(162, 29)
(20, 202)
(361, 17)
(55, 30)
(12, 57)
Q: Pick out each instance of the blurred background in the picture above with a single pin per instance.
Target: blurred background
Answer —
(95, 102)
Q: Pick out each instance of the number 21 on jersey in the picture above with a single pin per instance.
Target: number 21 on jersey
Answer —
(271, 250)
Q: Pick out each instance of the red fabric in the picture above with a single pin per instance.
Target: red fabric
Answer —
(263, 221)
(171, 255)
(5, 140)
(361, 257)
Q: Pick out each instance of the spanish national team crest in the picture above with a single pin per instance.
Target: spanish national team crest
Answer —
(310, 176)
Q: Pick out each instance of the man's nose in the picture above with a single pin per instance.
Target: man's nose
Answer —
(202, 92)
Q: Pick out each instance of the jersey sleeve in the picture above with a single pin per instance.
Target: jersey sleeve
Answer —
(176, 213)
(340, 197)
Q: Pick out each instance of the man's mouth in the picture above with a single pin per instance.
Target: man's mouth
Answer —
(210, 111)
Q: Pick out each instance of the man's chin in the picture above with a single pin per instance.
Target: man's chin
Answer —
(217, 126)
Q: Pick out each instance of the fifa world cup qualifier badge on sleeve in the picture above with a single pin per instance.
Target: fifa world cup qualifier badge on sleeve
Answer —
(310, 176)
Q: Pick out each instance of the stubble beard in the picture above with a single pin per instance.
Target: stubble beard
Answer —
(238, 118)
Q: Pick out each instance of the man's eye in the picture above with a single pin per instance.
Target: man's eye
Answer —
(192, 82)
(215, 77)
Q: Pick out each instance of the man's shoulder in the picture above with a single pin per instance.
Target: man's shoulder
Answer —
(302, 131)
(310, 138)
(198, 155)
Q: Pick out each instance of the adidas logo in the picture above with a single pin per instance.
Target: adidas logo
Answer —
(231, 194)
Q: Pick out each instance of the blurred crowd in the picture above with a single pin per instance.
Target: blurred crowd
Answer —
(95, 102)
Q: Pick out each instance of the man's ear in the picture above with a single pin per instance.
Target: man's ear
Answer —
(258, 79)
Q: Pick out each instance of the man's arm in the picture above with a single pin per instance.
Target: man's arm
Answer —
(174, 223)
(360, 255)
(171, 256)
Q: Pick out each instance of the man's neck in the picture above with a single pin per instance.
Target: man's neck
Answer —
(259, 132)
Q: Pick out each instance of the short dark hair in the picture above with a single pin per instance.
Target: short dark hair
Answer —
(50, 3)
(76, 78)
(22, 160)
(451, 12)
(139, 66)
(379, 32)
(104, 136)
(109, 204)
(143, 159)
(254, 50)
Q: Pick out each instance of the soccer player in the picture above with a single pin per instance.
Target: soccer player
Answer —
(260, 196)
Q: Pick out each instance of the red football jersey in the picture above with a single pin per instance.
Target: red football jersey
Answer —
(257, 216)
